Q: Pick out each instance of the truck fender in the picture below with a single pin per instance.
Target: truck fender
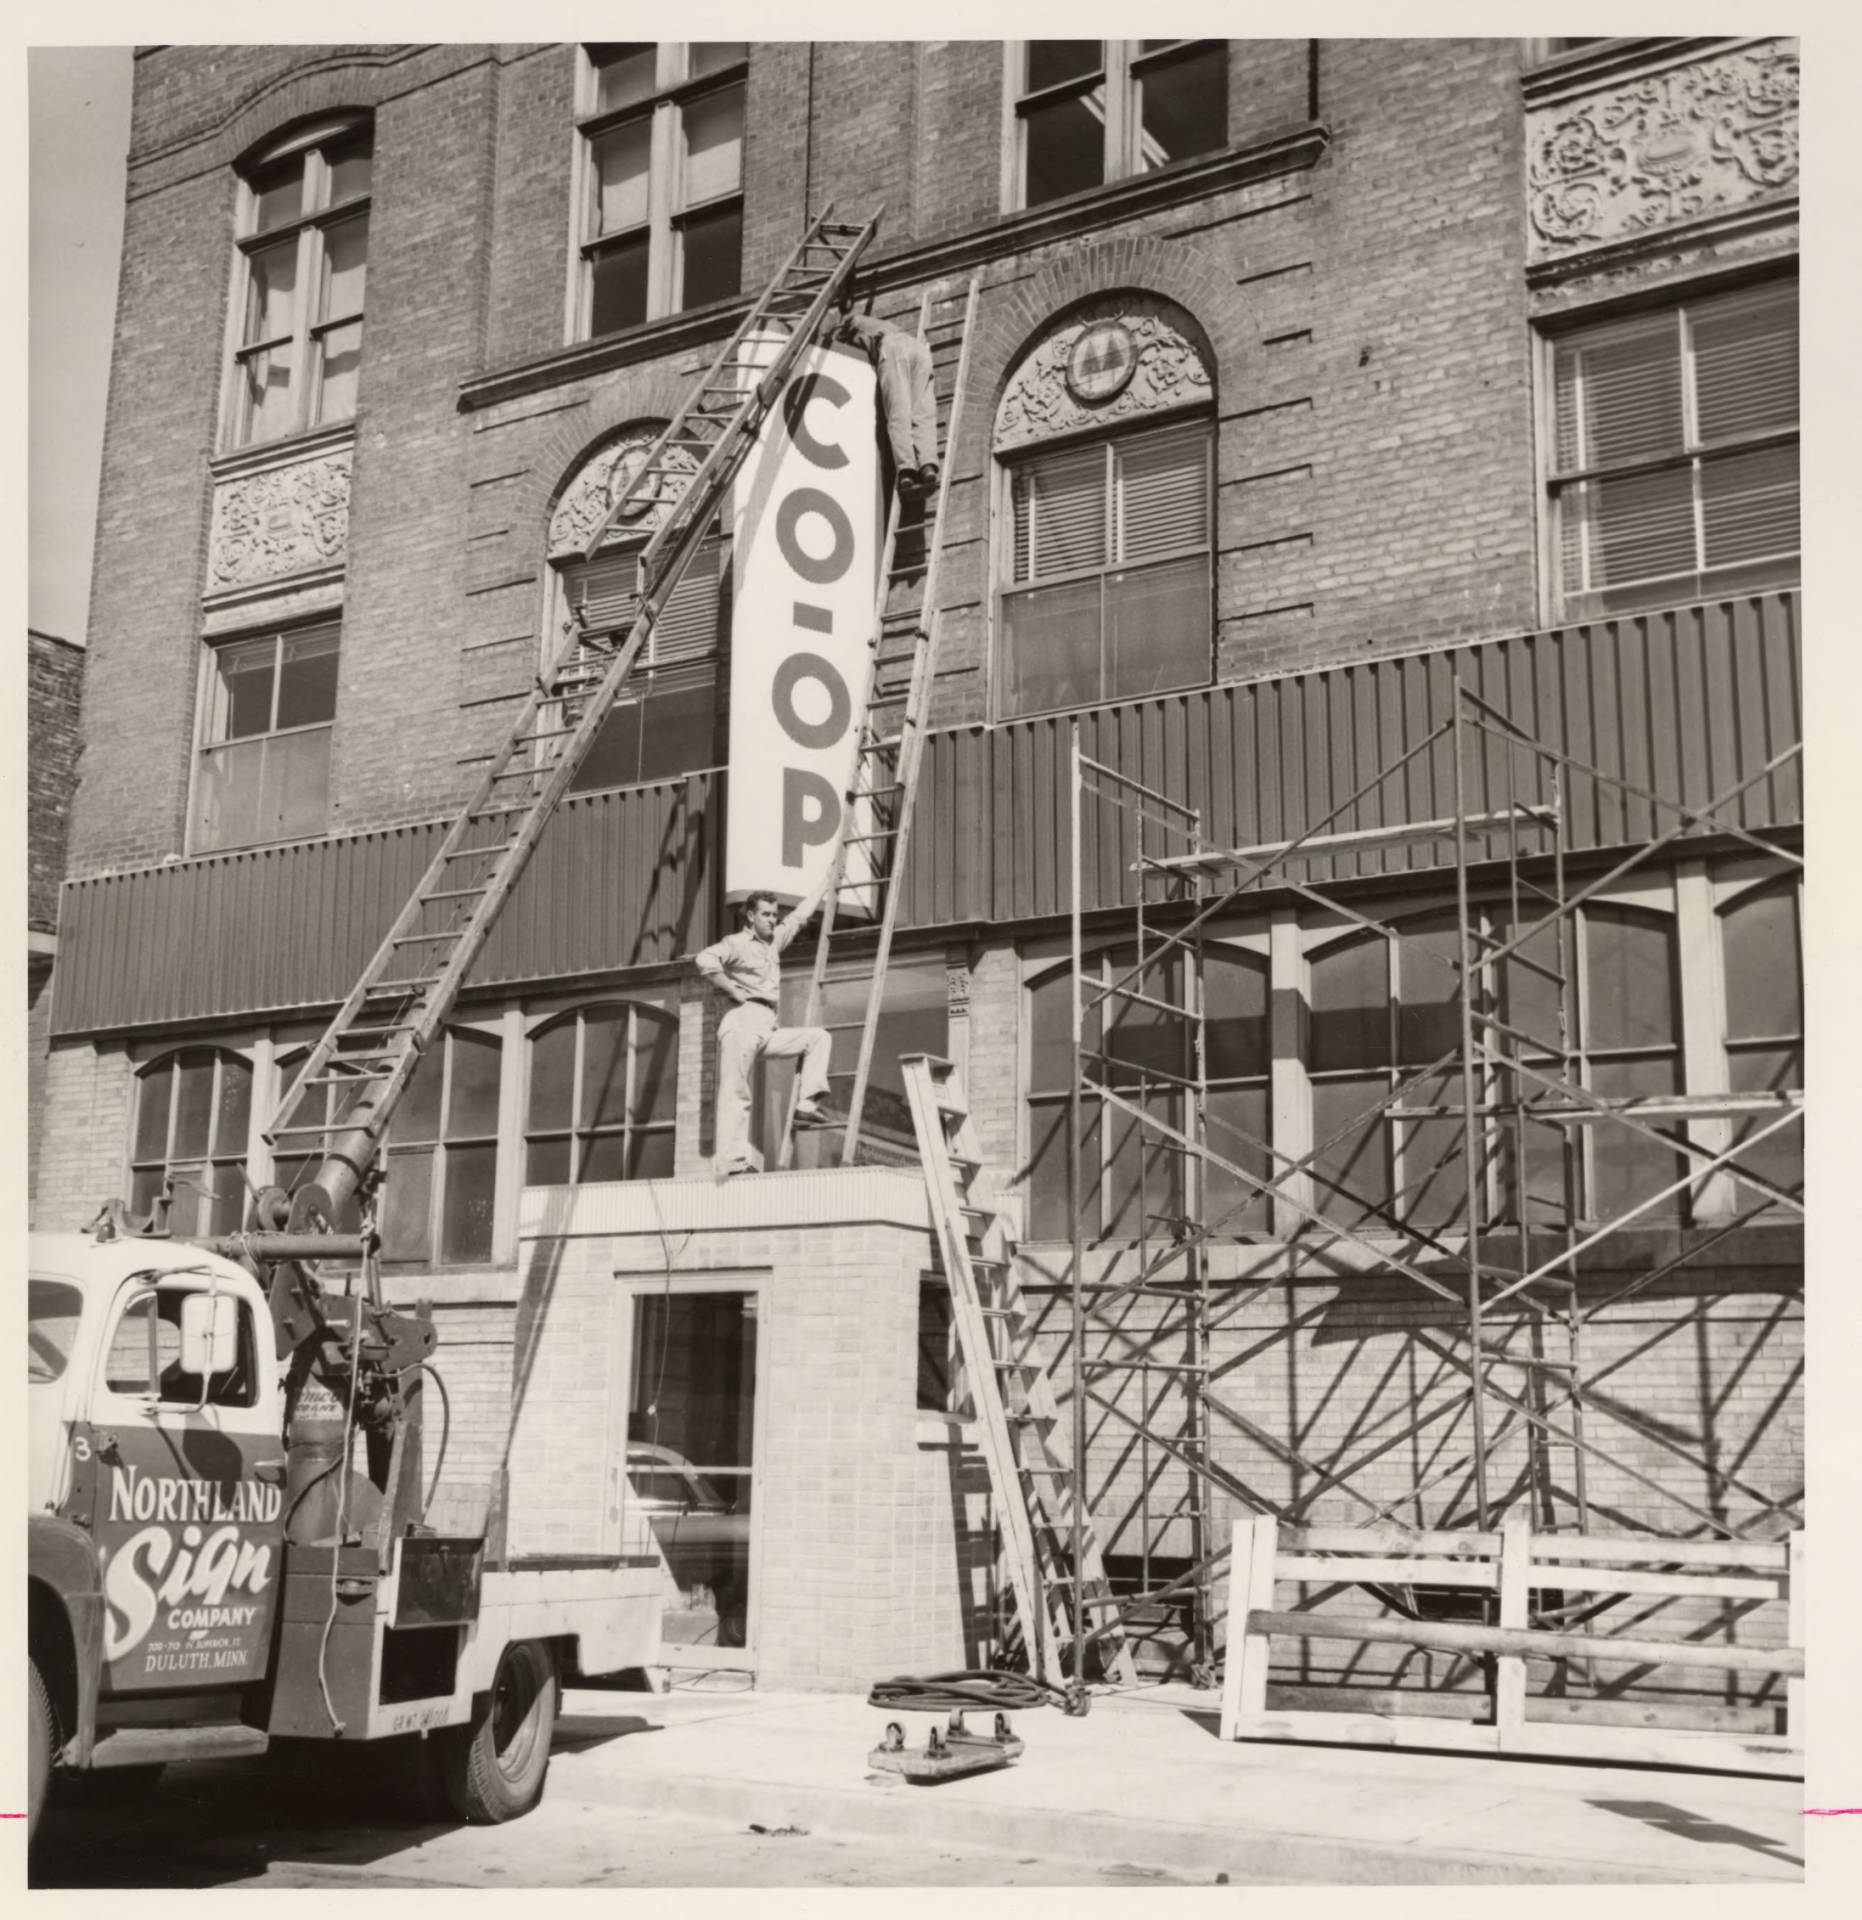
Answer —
(64, 1624)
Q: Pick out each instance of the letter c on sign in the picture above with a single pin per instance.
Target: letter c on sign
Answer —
(828, 569)
(811, 733)
(814, 386)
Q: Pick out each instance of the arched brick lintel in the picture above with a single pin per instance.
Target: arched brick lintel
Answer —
(637, 398)
(344, 86)
(1184, 272)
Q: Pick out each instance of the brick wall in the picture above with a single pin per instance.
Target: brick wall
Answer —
(395, 752)
(862, 1526)
(54, 704)
(84, 1144)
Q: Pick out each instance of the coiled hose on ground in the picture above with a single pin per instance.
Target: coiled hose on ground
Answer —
(975, 1687)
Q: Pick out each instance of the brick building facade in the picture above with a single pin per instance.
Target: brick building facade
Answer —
(1455, 359)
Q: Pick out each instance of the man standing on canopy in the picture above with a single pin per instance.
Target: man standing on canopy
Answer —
(746, 970)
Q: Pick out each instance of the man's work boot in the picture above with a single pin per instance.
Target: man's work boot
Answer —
(808, 1114)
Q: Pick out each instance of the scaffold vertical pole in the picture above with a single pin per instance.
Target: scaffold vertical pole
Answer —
(1469, 1126)
(1076, 1200)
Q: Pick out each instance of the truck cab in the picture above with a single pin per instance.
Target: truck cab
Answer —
(155, 1488)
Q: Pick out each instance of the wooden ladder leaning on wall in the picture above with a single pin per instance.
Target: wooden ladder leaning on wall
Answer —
(1038, 1497)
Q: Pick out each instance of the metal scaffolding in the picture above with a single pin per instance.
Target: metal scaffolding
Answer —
(1505, 1095)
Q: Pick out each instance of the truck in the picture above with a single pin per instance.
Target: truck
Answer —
(207, 1574)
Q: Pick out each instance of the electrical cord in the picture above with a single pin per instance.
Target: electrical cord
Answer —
(974, 1687)
(446, 1428)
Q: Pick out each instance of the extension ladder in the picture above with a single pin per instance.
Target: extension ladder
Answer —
(880, 799)
(1037, 1497)
(339, 1106)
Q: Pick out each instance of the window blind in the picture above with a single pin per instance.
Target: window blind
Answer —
(1162, 483)
(1745, 365)
(602, 592)
(1684, 388)
(1619, 394)
(1060, 514)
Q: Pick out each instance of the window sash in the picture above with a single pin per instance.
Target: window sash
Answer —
(677, 242)
(1675, 452)
(1103, 105)
(278, 380)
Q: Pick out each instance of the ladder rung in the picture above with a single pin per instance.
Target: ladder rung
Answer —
(456, 893)
(494, 813)
(414, 939)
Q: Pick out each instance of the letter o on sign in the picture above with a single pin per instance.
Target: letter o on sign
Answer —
(832, 565)
(811, 733)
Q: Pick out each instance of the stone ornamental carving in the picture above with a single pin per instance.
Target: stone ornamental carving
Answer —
(280, 522)
(1699, 139)
(586, 499)
(1160, 368)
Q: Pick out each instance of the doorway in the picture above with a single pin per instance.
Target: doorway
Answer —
(691, 1462)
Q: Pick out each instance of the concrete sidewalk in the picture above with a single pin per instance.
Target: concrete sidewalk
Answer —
(1144, 1781)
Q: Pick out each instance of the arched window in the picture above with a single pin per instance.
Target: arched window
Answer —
(442, 1162)
(1133, 1176)
(603, 1095)
(301, 263)
(193, 1116)
(1761, 942)
(669, 718)
(1104, 570)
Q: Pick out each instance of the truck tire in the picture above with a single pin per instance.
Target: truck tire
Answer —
(41, 1738)
(493, 1767)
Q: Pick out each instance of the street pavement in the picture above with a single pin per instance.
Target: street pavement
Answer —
(711, 1785)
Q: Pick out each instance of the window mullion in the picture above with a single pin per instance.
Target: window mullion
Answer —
(301, 308)
(662, 178)
(1122, 119)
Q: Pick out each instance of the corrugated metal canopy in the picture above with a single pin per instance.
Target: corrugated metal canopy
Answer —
(1683, 703)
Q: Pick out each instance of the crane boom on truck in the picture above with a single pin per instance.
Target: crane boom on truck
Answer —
(206, 1573)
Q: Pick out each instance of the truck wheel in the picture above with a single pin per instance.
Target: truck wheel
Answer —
(41, 1738)
(494, 1765)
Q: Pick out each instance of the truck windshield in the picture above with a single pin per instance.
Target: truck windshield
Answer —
(53, 1308)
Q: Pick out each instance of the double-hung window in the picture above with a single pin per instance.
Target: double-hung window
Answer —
(660, 129)
(1090, 111)
(1675, 453)
(264, 770)
(1107, 593)
(1761, 943)
(666, 721)
(302, 261)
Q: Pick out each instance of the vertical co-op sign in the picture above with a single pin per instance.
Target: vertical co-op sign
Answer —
(806, 557)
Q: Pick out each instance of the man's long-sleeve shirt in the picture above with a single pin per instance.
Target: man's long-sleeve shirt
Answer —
(753, 966)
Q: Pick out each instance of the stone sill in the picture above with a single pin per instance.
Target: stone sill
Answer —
(1763, 1244)
(826, 1197)
(290, 452)
(1571, 75)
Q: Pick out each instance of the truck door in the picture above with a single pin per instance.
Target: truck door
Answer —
(190, 1497)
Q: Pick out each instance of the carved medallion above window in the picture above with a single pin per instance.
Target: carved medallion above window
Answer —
(1114, 359)
(600, 481)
